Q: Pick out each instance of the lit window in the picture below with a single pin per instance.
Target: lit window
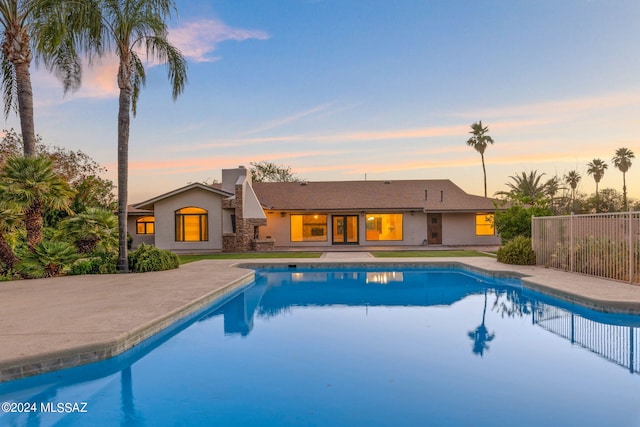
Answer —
(309, 228)
(484, 224)
(191, 225)
(145, 225)
(384, 226)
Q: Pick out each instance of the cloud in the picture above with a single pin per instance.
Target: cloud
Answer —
(288, 120)
(197, 40)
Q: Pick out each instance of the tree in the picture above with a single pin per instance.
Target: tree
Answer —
(479, 142)
(82, 173)
(572, 178)
(128, 26)
(622, 160)
(31, 185)
(529, 188)
(9, 220)
(96, 229)
(480, 335)
(265, 171)
(48, 28)
(596, 167)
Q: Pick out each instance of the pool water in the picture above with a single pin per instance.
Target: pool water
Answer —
(330, 347)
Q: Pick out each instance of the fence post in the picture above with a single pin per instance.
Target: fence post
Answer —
(631, 249)
(571, 253)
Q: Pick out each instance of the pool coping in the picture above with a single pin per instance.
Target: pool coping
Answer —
(212, 280)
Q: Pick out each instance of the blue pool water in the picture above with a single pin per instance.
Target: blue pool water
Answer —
(401, 347)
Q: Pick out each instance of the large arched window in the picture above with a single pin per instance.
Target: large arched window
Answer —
(191, 225)
(145, 225)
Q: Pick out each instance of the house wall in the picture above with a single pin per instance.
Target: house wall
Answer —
(165, 236)
(460, 229)
(457, 229)
(138, 239)
(278, 229)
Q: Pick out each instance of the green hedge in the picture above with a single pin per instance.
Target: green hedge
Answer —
(149, 258)
(517, 251)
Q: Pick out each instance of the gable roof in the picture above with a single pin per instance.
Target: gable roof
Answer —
(148, 204)
(442, 195)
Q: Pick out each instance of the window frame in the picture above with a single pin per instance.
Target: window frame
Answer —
(202, 220)
(324, 225)
(485, 224)
(145, 225)
(378, 220)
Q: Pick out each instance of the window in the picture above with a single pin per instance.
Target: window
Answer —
(309, 228)
(484, 224)
(384, 226)
(145, 225)
(191, 225)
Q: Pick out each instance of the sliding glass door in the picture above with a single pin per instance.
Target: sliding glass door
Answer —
(345, 229)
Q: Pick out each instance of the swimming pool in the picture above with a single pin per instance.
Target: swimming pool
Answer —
(401, 346)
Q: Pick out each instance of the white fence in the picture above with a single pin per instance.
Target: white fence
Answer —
(604, 245)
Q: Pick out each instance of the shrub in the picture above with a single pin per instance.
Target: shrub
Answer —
(516, 221)
(48, 259)
(100, 264)
(149, 258)
(517, 251)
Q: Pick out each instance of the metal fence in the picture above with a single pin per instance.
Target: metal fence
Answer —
(603, 245)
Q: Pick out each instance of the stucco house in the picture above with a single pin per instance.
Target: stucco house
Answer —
(240, 216)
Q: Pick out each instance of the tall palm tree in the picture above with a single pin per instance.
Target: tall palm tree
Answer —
(127, 26)
(622, 160)
(572, 178)
(596, 167)
(48, 28)
(30, 184)
(479, 142)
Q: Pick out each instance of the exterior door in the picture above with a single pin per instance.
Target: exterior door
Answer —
(434, 229)
(345, 229)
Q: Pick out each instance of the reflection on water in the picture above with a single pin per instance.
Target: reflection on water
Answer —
(277, 292)
(287, 338)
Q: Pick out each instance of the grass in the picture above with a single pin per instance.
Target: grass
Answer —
(428, 254)
(184, 259)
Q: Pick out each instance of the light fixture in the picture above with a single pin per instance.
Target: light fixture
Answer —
(283, 214)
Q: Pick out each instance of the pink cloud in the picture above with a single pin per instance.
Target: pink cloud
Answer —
(198, 39)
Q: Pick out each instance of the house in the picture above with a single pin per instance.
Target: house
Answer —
(240, 216)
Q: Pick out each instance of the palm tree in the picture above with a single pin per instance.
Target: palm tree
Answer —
(622, 160)
(479, 142)
(572, 178)
(596, 167)
(96, 229)
(126, 26)
(31, 185)
(528, 187)
(47, 28)
(8, 224)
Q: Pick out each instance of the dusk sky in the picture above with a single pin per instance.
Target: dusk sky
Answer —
(341, 89)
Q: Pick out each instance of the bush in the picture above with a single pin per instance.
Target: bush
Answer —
(149, 258)
(517, 251)
(516, 221)
(48, 259)
(100, 264)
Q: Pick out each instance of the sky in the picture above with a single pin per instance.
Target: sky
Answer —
(370, 89)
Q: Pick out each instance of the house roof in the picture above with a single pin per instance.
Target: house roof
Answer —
(439, 195)
(148, 204)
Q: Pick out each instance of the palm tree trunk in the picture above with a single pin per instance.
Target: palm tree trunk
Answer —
(124, 82)
(25, 107)
(33, 224)
(7, 256)
(484, 171)
(624, 190)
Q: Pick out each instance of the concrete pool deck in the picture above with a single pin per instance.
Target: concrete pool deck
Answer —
(50, 324)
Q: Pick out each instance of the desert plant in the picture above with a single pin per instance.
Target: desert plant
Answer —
(96, 229)
(47, 259)
(517, 251)
(149, 258)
